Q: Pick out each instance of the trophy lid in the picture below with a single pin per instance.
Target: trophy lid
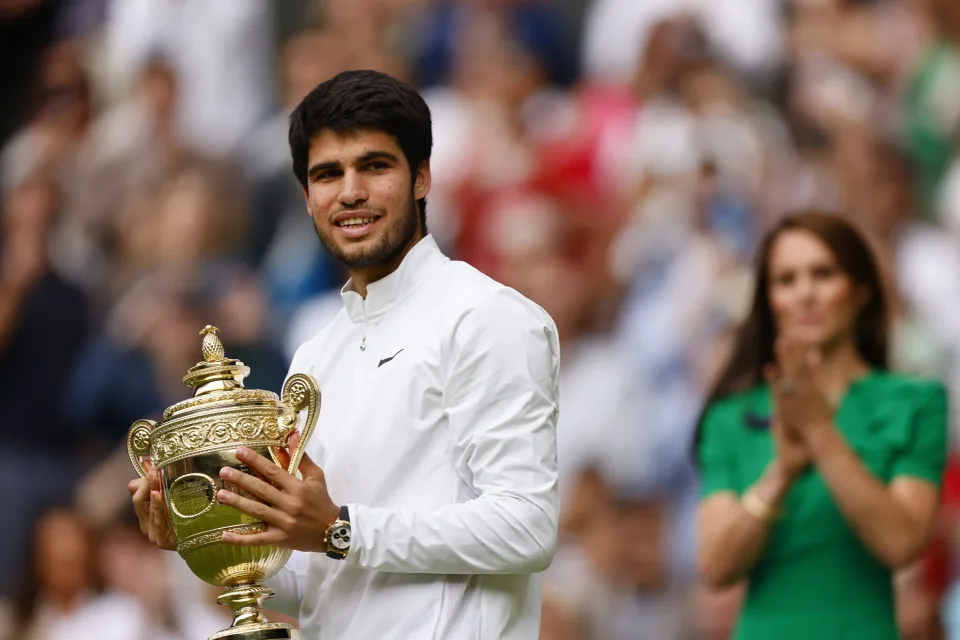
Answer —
(216, 372)
(217, 378)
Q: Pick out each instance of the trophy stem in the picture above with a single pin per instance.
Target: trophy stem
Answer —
(245, 601)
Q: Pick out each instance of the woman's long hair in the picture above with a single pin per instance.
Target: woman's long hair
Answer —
(753, 345)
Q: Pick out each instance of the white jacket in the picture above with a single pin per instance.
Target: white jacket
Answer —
(437, 428)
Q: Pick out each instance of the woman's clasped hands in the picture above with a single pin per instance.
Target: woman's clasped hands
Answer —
(801, 408)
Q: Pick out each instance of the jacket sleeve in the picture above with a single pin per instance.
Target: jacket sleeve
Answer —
(501, 402)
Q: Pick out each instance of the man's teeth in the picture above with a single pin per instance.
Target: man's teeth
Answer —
(355, 222)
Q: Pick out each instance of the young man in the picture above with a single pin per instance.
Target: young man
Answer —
(437, 500)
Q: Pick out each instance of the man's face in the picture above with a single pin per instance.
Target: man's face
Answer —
(362, 198)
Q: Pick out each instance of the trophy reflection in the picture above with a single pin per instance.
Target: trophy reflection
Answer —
(195, 439)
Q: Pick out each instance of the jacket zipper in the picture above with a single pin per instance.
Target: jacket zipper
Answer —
(366, 325)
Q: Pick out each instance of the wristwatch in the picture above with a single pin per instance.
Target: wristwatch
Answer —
(337, 536)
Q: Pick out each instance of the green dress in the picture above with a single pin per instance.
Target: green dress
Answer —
(815, 578)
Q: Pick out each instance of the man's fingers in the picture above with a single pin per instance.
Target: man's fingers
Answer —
(158, 524)
(265, 468)
(284, 452)
(141, 495)
(283, 457)
(256, 509)
(141, 505)
(160, 533)
(307, 465)
(134, 485)
(293, 440)
(253, 485)
(254, 539)
(153, 477)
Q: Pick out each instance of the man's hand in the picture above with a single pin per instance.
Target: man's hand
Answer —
(148, 503)
(297, 512)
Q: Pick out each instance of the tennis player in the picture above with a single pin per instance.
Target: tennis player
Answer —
(428, 502)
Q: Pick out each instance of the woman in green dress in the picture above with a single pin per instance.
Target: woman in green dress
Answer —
(820, 468)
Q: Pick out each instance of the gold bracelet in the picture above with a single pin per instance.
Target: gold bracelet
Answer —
(756, 507)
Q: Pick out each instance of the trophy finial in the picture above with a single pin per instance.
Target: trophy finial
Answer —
(212, 348)
(216, 372)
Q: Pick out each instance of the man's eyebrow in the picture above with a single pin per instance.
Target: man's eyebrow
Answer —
(377, 154)
(323, 166)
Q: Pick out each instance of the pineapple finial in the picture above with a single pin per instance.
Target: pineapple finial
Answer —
(212, 347)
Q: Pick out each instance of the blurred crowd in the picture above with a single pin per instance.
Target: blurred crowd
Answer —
(614, 160)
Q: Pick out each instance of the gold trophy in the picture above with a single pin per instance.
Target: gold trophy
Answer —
(195, 439)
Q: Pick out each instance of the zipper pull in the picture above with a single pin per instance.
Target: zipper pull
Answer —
(363, 344)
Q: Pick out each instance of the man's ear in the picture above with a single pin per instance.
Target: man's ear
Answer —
(421, 184)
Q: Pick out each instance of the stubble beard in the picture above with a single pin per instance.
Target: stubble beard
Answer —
(389, 245)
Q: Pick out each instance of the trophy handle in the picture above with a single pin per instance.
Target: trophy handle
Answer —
(138, 443)
(300, 392)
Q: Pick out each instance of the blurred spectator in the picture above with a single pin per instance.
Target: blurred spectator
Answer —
(220, 51)
(43, 323)
(281, 239)
(62, 111)
(746, 32)
(139, 599)
(757, 456)
(133, 146)
(26, 29)
(932, 109)
(481, 125)
(536, 28)
(560, 622)
(61, 579)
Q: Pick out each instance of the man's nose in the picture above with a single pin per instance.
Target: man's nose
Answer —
(354, 190)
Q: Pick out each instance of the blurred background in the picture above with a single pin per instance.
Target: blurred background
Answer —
(614, 160)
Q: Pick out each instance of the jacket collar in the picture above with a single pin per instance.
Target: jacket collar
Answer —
(382, 295)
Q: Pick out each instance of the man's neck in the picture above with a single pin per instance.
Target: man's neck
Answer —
(361, 278)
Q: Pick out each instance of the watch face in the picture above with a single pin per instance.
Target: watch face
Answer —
(340, 538)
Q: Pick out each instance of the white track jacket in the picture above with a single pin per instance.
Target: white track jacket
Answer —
(437, 428)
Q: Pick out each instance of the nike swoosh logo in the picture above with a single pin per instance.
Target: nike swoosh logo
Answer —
(384, 361)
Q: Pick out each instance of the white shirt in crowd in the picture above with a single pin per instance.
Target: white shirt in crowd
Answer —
(746, 33)
(221, 51)
(437, 429)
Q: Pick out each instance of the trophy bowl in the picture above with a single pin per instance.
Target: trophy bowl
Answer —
(194, 440)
